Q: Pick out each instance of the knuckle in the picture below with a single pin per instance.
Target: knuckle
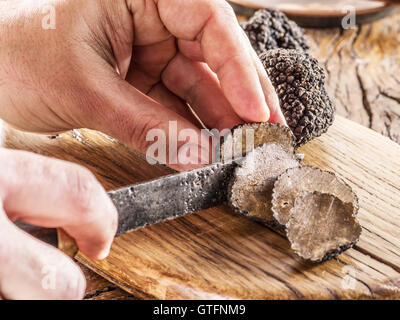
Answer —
(145, 122)
(93, 97)
(83, 187)
(222, 7)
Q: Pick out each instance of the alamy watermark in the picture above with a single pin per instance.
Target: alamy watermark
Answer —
(349, 20)
(55, 277)
(49, 19)
(189, 147)
(349, 281)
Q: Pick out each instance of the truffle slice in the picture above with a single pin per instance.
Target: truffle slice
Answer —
(251, 188)
(321, 226)
(245, 137)
(270, 29)
(299, 82)
(295, 181)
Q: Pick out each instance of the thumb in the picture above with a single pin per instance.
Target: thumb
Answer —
(158, 132)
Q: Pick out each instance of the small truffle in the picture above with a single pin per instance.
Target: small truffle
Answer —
(243, 138)
(299, 82)
(271, 29)
(321, 226)
(295, 181)
(251, 188)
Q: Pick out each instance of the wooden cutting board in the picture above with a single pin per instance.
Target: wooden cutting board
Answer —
(217, 254)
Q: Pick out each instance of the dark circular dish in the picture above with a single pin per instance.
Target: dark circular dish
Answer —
(318, 18)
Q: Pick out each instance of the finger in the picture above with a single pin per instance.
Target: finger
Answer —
(31, 269)
(148, 63)
(144, 74)
(276, 115)
(169, 100)
(224, 48)
(195, 83)
(138, 120)
(53, 193)
(191, 49)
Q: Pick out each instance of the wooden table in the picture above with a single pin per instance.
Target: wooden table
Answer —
(362, 67)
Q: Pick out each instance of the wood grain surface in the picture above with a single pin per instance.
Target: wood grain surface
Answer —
(363, 72)
(362, 67)
(217, 254)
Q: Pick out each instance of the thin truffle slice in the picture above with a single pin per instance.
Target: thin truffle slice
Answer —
(251, 188)
(299, 82)
(245, 137)
(321, 226)
(270, 29)
(295, 181)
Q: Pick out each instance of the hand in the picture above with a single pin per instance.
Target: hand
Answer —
(50, 193)
(127, 66)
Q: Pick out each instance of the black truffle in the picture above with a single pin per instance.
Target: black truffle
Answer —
(295, 181)
(321, 226)
(271, 29)
(251, 188)
(299, 82)
(245, 137)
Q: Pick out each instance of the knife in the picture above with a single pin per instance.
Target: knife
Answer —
(172, 196)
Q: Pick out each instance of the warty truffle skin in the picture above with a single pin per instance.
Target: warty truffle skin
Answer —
(299, 82)
(271, 29)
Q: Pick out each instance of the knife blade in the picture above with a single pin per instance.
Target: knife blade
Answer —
(172, 196)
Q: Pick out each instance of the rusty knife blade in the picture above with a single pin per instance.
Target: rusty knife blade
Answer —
(172, 196)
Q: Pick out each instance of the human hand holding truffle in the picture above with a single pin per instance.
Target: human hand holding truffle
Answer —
(124, 67)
